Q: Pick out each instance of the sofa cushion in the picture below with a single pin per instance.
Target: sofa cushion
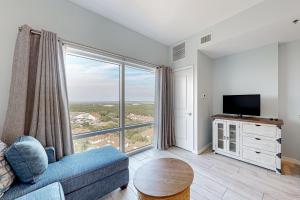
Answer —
(53, 191)
(90, 166)
(28, 159)
(6, 174)
(76, 171)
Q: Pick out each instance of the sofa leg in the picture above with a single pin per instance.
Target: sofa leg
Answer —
(123, 187)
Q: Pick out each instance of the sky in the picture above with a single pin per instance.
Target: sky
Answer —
(96, 81)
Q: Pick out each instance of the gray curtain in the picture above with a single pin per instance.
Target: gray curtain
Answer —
(164, 134)
(38, 102)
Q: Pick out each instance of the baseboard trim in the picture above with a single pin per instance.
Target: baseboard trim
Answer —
(291, 160)
(203, 149)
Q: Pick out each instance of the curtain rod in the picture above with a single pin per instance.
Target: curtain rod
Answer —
(101, 51)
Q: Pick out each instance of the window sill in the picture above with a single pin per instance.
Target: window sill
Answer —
(140, 150)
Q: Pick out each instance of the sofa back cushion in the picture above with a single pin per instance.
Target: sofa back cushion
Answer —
(28, 159)
(6, 174)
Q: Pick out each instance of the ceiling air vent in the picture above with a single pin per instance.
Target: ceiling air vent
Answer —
(206, 38)
(179, 52)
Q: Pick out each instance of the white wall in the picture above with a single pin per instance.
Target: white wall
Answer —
(289, 97)
(251, 72)
(202, 65)
(272, 71)
(71, 23)
(204, 70)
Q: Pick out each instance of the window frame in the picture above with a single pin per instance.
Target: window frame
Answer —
(85, 53)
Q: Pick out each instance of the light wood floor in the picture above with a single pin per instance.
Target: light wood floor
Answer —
(218, 177)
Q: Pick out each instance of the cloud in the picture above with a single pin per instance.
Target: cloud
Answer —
(90, 80)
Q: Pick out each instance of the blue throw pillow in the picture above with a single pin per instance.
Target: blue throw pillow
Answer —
(28, 159)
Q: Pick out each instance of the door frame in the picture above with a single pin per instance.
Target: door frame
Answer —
(194, 105)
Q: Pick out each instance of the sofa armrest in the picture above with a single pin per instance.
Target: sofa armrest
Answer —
(50, 151)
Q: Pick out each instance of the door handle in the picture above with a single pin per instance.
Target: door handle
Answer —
(257, 138)
(189, 114)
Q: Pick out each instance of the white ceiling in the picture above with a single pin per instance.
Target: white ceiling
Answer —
(266, 23)
(167, 21)
(236, 25)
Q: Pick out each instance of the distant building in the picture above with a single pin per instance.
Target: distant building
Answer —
(141, 118)
(81, 118)
(85, 116)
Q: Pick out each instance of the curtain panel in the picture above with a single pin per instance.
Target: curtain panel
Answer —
(164, 134)
(38, 101)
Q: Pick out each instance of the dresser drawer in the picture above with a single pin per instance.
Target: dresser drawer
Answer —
(258, 129)
(258, 142)
(259, 157)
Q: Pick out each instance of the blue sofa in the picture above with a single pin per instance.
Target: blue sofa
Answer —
(83, 176)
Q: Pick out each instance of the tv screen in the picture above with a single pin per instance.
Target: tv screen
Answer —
(242, 104)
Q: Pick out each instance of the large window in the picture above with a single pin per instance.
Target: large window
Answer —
(111, 103)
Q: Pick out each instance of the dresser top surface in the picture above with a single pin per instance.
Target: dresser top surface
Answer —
(276, 122)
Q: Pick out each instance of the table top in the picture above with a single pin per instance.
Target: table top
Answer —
(163, 177)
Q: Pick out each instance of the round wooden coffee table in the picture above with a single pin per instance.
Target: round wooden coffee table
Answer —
(164, 179)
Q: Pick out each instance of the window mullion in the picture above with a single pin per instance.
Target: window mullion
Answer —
(122, 107)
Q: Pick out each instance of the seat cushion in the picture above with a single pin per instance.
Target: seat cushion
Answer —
(53, 191)
(76, 171)
(28, 159)
(88, 167)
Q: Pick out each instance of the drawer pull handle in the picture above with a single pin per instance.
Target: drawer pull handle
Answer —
(257, 125)
(257, 138)
(257, 152)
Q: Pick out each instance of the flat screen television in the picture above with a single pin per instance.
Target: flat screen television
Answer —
(242, 104)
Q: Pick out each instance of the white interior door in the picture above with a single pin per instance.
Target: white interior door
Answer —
(183, 108)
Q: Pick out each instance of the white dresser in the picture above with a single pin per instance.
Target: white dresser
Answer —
(250, 139)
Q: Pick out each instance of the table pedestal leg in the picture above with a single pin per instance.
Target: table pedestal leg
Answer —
(184, 195)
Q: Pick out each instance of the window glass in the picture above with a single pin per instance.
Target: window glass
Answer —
(94, 99)
(93, 90)
(97, 141)
(139, 95)
(138, 138)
